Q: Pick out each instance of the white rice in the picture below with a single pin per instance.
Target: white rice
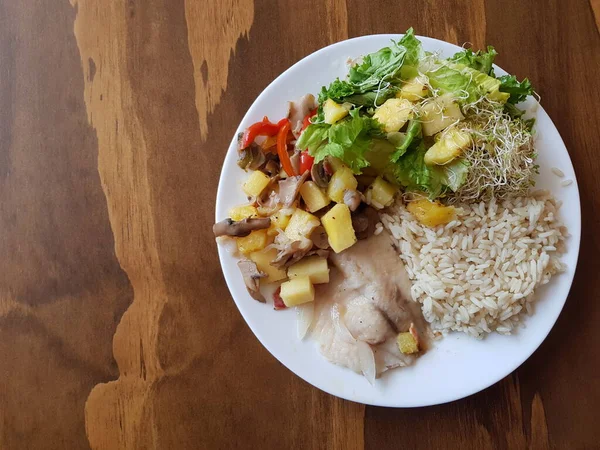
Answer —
(478, 273)
(565, 183)
(556, 171)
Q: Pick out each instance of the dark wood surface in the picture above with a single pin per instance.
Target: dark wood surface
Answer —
(116, 327)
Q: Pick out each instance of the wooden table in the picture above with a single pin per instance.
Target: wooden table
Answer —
(116, 327)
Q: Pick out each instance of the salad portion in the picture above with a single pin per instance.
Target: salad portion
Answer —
(404, 122)
(445, 128)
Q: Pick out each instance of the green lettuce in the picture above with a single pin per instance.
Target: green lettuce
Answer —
(377, 76)
(453, 81)
(454, 174)
(414, 50)
(411, 172)
(412, 131)
(349, 140)
(479, 60)
(518, 90)
(313, 137)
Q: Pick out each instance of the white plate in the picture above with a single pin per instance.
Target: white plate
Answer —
(457, 366)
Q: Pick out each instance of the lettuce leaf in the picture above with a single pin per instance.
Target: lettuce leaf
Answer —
(518, 90)
(375, 67)
(348, 140)
(452, 81)
(336, 91)
(479, 60)
(377, 76)
(313, 137)
(412, 131)
(412, 173)
(369, 99)
(414, 50)
(453, 174)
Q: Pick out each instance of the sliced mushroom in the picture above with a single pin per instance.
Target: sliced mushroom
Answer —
(327, 166)
(352, 199)
(269, 204)
(360, 223)
(320, 252)
(298, 110)
(272, 168)
(319, 237)
(240, 228)
(295, 160)
(319, 175)
(252, 277)
(251, 158)
(292, 253)
(364, 221)
(289, 188)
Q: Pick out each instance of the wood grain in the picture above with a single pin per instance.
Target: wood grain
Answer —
(116, 328)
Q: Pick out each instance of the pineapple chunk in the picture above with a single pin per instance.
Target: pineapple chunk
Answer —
(393, 114)
(338, 226)
(242, 212)
(336, 163)
(301, 224)
(450, 145)
(313, 267)
(381, 193)
(430, 213)
(256, 183)
(407, 343)
(279, 221)
(413, 90)
(257, 240)
(439, 114)
(297, 291)
(313, 196)
(334, 111)
(341, 180)
(263, 261)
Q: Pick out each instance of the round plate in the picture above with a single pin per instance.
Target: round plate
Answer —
(458, 365)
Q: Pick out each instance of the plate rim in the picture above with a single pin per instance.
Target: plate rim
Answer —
(576, 243)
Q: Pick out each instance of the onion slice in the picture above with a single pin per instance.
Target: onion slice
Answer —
(367, 361)
(304, 318)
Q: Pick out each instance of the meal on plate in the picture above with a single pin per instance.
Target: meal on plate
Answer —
(398, 206)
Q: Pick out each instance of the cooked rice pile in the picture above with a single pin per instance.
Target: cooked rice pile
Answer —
(478, 273)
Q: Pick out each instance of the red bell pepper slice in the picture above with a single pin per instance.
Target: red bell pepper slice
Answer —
(277, 300)
(262, 128)
(306, 120)
(284, 158)
(306, 162)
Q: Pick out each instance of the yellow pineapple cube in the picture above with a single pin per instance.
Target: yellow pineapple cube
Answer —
(263, 261)
(413, 90)
(338, 226)
(341, 180)
(334, 111)
(256, 240)
(314, 267)
(393, 114)
(439, 113)
(449, 146)
(407, 343)
(242, 212)
(381, 193)
(431, 214)
(336, 163)
(279, 221)
(313, 196)
(301, 224)
(256, 183)
(297, 291)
